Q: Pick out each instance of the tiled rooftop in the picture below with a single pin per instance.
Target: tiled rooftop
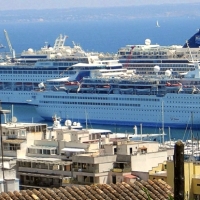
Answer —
(156, 190)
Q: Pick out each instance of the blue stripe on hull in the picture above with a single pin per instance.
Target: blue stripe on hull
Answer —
(125, 123)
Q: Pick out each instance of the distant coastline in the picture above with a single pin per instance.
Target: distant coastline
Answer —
(95, 14)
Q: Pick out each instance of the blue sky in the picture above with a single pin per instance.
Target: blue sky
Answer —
(49, 4)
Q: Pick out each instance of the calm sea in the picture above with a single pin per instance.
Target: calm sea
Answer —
(101, 36)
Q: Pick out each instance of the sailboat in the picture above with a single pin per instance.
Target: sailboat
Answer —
(157, 24)
(1, 46)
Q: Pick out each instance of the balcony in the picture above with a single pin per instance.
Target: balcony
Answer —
(66, 158)
(119, 170)
(17, 137)
(90, 170)
(39, 184)
(75, 181)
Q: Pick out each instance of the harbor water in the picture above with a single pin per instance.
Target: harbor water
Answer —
(27, 113)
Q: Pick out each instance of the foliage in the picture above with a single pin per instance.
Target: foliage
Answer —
(148, 195)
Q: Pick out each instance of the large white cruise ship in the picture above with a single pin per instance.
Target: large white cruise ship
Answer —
(21, 74)
(18, 82)
(150, 100)
(143, 57)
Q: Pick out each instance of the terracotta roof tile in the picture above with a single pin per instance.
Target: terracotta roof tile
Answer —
(139, 190)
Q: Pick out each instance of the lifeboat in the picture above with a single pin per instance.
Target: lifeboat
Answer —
(189, 88)
(28, 84)
(71, 85)
(173, 85)
(18, 84)
(103, 87)
(86, 88)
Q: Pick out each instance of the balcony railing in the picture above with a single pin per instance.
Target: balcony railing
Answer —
(39, 184)
(11, 148)
(92, 170)
(16, 137)
(74, 181)
(119, 170)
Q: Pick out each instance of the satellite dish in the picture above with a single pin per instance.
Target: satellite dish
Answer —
(78, 124)
(147, 42)
(14, 119)
(68, 123)
(74, 124)
(30, 50)
(156, 68)
(168, 73)
(59, 54)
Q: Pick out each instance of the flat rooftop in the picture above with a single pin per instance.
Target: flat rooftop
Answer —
(44, 160)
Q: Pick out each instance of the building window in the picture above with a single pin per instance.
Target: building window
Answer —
(131, 150)
(91, 179)
(115, 150)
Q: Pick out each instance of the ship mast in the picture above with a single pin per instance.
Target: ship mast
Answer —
(163, 133)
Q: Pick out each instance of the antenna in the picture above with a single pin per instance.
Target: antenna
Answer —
(12, 111)
(189, 50)
(12, 51)
(196, 64)
(192, 134)
(135, 129)
(163, 133)
(86, 125)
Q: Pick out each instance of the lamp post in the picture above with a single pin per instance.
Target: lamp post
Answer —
(2, 157)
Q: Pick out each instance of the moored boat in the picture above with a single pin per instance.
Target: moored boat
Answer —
(145, 100)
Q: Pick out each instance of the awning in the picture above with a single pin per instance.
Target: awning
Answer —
(130, 176)
(72, 149)
(15, 141)
(43, 147)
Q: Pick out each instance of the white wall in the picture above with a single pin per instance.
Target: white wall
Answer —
(76, 145)
(125, 148)
(50, 143)
(145, 162)
(31, 137)
(109, 149)
(104, 167)
(22, 152)
(143, 175)
(103, 179)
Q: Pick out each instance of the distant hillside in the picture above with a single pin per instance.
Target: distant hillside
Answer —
(111, 13)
